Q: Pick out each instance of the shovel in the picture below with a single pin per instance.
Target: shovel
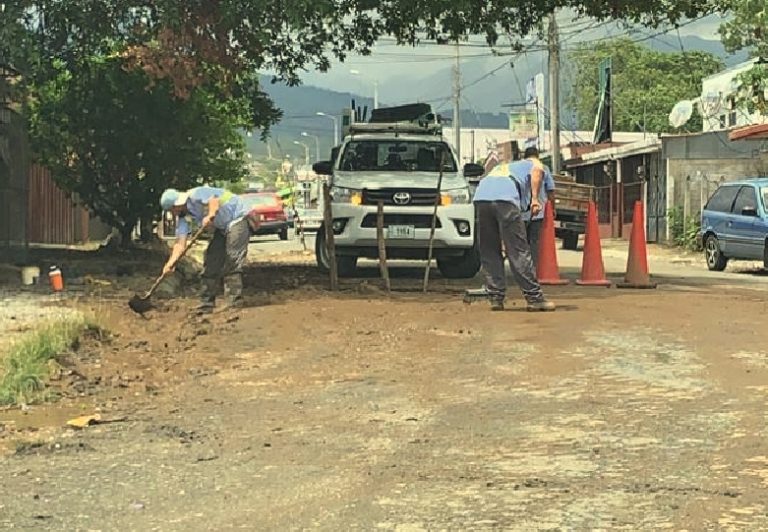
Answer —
(142, 304)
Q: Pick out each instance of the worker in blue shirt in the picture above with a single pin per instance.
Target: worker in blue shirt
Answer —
(500, 201)
(226, 253)
(520, 171)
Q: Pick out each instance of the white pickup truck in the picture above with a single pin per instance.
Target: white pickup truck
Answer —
(399, 164)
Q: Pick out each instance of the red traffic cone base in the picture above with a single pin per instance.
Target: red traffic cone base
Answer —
(637, 275)
(592, 269)
(547, 270)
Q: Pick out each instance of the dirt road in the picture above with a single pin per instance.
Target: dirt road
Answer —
(624, 410)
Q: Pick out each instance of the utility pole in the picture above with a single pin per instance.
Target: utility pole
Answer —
(554, 92)
(317, 143)
(336, 139)
(457, 104)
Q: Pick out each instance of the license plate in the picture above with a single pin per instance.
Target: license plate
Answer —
(401, 231)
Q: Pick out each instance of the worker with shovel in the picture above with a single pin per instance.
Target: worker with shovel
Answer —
(226, 253)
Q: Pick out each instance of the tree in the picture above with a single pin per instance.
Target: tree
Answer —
(194, 40)
(645, 84)
(85, 63)
(747, 28)
(116, 144)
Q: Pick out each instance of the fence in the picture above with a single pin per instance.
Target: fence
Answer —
(13, 186)
(53, 218)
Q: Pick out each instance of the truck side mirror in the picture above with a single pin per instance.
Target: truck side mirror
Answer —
(473, 170)
(749, 211)
(323, 168)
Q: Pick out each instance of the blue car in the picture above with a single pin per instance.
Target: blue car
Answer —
(734, 223)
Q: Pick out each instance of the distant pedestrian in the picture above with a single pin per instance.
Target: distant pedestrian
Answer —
(500, 201)
(228, 248)
(521, 171)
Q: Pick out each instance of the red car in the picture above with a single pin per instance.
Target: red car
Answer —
(269, 207)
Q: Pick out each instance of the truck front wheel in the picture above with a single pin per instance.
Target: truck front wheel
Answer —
(571, 241)
(345, 265)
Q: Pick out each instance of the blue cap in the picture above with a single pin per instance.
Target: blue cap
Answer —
(170, 198)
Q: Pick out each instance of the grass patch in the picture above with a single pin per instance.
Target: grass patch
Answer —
(28, 361)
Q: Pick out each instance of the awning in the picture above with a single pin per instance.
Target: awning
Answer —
(754, 132)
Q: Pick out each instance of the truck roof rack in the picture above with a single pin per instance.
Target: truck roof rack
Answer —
(397, 127)
(401, 113)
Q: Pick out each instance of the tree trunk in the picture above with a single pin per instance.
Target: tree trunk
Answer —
(146, 229)
(126, 235)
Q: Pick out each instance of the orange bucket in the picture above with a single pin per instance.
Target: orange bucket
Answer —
(57, 280)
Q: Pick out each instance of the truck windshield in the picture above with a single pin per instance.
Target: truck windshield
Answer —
(397, 156)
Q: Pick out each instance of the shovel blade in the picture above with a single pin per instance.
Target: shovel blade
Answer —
(140, 305)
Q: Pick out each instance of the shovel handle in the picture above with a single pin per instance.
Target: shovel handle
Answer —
(159, 280)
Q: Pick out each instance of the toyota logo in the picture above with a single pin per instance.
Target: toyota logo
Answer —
(401, 198)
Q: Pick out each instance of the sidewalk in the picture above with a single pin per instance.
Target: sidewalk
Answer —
(669, 265)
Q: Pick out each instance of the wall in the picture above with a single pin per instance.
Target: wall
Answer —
(697, 164)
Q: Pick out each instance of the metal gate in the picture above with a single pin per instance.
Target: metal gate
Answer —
(657, 207)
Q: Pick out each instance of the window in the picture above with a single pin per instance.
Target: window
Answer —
(393, 155)
(266, 200)
(764, 194)
(746, 198)
(722, 199)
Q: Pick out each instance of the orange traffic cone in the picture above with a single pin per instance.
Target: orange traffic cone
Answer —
(547, 270)
(592, 269)
(637, 275)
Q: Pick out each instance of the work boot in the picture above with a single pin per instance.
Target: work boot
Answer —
(541, 306)
(207, 297)
(497, 305)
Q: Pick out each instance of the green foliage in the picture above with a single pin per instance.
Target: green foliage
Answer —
(131, 96)
(29, 361)
(116, 142)
(747, 28)
(186, 40)
(646, 84)
(684, 231)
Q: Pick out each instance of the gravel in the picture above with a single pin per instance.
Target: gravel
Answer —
(21, 312)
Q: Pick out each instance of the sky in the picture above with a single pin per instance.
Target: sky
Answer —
(392, 66)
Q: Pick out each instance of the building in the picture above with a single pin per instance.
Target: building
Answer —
(478, 143)
(718, 100)
(623, 174)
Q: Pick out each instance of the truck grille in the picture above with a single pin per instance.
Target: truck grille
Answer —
(418, 197)
(419, 221)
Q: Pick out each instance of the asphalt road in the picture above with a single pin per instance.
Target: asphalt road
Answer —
(668, 266)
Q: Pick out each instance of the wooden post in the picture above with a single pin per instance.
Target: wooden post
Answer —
(330, 247)
(382, 246)
(434, 221)
(299, 226)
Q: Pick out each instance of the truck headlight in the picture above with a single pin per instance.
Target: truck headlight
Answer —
(456, 196)
(346, 195)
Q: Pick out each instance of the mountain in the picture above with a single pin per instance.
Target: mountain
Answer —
(301, 104)
(426, 75)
